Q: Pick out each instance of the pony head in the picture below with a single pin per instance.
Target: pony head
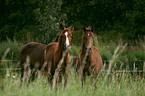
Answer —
(88, 36)
(66, 34)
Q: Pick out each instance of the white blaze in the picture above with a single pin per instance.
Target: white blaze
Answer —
(67, 40)
(88, 34)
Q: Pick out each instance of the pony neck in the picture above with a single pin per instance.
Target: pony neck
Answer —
(61, 47)
(83, 49)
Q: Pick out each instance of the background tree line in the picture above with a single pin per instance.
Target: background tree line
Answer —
(38, 20)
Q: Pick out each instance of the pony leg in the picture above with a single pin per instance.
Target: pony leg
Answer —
(22, 72)
(33, 75)
(83, 78)
(59, 79)
(22, 76)
(65, 79)
(50, 80)
(95, 78)
(34, 72)
(66, 74)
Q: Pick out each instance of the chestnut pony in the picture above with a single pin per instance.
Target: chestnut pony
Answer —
(47, 57)
(89, 59)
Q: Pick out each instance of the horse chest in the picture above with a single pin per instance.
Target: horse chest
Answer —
(85, 60)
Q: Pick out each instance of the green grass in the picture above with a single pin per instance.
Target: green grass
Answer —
(14, 49)
(117, 84)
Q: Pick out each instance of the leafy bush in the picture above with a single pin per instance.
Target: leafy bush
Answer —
(14, 49)
(127, 58)
(48, 18)
(137, 57)
(74, 50)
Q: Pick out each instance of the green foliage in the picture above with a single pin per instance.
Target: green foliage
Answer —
(27, 34)
(118, 84)
(36, 20)
(14, 49)
(49, 18)
(130, 55)
(137, 57)
(74, 51)
(16, 16)
(114, 18)
(77, 34)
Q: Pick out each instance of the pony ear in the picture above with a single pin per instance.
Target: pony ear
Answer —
(72, 29)
(92, 29)
(61, 27)
(84, 29)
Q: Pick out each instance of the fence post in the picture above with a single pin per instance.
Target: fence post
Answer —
(1, 75)
(104, 65)
(114, 68)
(134, 69)
(103, 68)
(144, 69)
(122, 63)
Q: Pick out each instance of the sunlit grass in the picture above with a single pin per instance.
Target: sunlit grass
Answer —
(117, 84)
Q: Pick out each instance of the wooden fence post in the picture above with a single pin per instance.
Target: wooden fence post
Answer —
(122, 63)
(104, 65)
(134, 69)
(144, 69)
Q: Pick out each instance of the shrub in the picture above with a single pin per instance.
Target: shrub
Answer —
(14, 49)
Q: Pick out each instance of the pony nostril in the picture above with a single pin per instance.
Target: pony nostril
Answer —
(88, 47)
(68, 47)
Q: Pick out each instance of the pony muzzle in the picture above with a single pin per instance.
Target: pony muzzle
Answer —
(68, 47)
(88, 48)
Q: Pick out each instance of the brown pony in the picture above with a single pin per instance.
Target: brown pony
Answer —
(46, 57)
(89, 59)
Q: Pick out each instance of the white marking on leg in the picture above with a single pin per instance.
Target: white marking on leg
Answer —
(67, 40)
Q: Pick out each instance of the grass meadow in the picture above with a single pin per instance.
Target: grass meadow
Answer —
(116, 83)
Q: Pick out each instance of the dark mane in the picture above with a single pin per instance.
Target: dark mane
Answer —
(47, 57)
(89, 60)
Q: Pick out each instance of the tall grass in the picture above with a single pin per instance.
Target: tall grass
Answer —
(14, 49)
(118, 84)
(115, 84)
(129, 56)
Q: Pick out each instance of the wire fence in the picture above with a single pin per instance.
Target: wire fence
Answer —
(104, 67)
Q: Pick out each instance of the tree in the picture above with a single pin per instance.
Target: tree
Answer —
(48, 18)
(111, 17)
(15, 16)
